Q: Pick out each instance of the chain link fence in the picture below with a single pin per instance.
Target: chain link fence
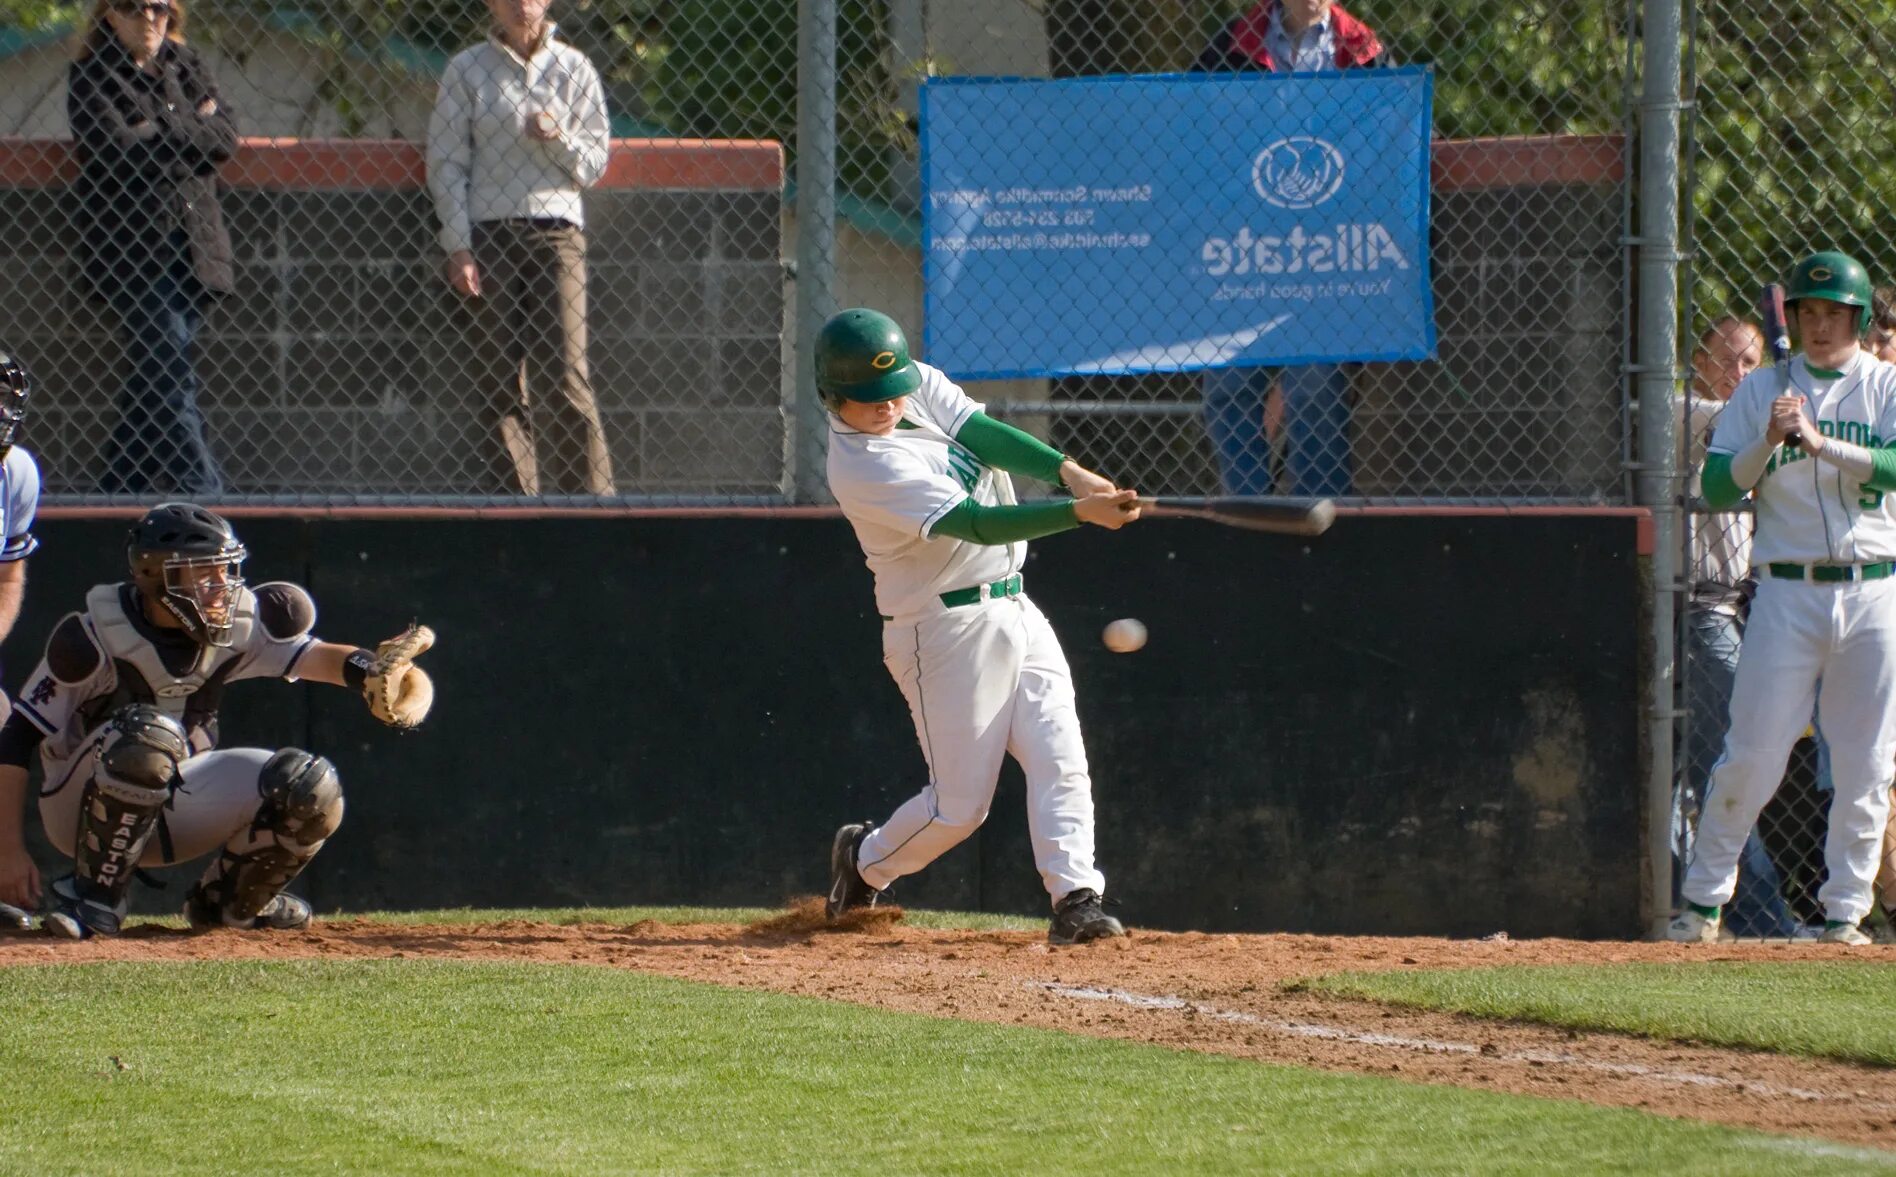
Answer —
(1786, 153)
(632, 341)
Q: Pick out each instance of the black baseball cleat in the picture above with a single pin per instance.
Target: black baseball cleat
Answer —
(72, 918)
(14, 918)
(1078, 918)
(847, 888)
(284, 913)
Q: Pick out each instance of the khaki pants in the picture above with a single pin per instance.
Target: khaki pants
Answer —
(530, 340)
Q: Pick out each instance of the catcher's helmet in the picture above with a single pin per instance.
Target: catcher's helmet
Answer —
(1836, 277)
(190, 561)
(861, 355)
(15, 387)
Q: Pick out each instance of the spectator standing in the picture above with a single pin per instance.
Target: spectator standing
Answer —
(1297, 36)
(519, 129)
(150, 129)
(1729, 350)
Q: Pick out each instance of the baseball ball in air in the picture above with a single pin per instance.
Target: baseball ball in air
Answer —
(1125, 635)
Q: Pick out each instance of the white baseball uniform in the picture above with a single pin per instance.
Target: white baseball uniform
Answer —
(1812, 515)
(982, 678)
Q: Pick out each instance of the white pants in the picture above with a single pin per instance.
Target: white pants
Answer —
(983, 681)
(1843, 633)
(211, 807)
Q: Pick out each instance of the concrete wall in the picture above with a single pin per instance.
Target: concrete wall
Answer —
(342, 364)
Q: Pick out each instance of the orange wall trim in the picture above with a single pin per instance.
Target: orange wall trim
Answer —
(1527, 161)
(719, 165)
(757, 165)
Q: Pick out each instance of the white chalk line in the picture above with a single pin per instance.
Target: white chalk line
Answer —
(1816, 1148)
(1440, 1046)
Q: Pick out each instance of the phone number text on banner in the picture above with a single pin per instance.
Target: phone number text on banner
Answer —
(1175, 222)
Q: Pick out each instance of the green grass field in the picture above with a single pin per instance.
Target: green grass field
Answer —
(396, 1067)
(1835, 1009)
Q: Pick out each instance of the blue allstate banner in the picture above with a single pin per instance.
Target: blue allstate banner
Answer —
(1173, 222)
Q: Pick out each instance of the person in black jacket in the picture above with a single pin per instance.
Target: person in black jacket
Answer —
(150, 129)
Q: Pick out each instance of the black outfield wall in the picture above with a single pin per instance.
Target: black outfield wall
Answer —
(1409, 725)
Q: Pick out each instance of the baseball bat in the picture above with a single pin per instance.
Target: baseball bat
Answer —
(1277, 515)
(1777, 340)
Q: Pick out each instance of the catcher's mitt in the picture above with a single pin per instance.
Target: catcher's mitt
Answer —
(398, 691)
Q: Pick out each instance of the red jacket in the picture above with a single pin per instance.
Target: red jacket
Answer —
(1240, 45)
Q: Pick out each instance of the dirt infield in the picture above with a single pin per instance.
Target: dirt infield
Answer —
(1218, 993)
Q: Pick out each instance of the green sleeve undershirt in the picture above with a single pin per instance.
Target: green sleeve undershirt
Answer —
(1004, 447)
(1720, 491)
(975, 524)
(1882, 468)
(1716, 483)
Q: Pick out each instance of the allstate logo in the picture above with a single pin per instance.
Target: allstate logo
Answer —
(1298, 172)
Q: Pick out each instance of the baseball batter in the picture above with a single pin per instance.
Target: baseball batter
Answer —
(922, 474)
(19, 503)
(123, 712)
(1824, 551)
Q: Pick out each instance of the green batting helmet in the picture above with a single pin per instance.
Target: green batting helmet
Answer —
(861, 355)
(1835, 277)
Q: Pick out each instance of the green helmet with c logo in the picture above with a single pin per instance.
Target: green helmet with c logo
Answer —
(1835, 277)
(862, 355)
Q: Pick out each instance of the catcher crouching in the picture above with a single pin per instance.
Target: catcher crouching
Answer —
(123, 712)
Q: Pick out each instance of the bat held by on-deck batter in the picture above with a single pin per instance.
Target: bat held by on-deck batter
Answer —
(1777, 342)
(1284, 516)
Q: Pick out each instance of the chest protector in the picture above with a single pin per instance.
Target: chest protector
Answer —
(170, 691)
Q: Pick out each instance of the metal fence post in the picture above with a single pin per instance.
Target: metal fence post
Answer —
(1658, 376)
(816, 234)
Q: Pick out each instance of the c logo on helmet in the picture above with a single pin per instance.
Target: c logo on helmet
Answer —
(883, 361)
(1820, 274)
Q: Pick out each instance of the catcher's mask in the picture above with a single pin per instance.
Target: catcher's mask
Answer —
(862, 355)
(191, 563)
(15, 387)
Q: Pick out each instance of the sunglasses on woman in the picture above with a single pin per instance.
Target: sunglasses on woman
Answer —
(150, 9)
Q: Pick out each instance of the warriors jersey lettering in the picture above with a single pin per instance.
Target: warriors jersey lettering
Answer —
(1809, 511)
(894, 489)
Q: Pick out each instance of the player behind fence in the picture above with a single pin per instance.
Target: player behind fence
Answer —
(922, 475)
(1826, 603)
(123, 711)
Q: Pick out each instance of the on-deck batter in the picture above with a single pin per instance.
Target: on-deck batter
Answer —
(1824, 551)
(922, 474)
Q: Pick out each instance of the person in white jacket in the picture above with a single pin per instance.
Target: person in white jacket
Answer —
(519, 129)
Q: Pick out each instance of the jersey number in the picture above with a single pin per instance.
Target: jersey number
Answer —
(1870, 501)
